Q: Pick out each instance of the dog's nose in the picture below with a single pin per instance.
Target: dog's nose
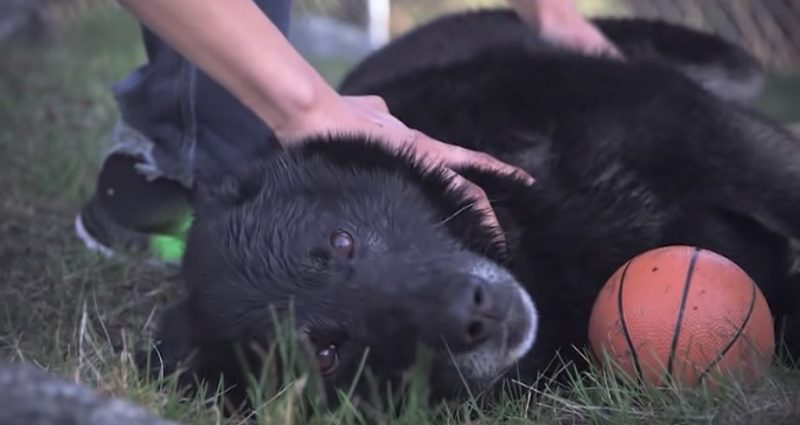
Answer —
(471, 314)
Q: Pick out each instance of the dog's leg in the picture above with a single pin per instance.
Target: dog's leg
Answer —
(172, 348)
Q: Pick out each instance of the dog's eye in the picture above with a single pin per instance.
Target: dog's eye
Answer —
(328, 359)
(342, 243)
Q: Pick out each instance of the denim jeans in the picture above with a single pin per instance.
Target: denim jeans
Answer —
(183, 124)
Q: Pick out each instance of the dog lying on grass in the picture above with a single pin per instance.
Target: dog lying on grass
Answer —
(375, 257)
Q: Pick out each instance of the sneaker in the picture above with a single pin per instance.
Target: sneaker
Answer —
(133, 214)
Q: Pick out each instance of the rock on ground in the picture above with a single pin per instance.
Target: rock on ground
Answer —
(31, 396)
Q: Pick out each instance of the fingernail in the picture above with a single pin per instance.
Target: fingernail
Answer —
(529, 180)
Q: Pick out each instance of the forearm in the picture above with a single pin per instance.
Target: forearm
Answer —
(234, 43)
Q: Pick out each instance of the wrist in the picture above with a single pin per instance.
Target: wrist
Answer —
(301, 108)
(289, 107)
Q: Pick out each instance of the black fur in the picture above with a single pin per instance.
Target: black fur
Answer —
(628, 156)
(719, 66)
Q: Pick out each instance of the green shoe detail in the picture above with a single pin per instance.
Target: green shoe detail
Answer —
(170, 248)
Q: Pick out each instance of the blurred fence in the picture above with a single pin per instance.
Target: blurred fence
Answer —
(770, 29)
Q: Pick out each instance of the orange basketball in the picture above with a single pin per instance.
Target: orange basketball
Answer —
(682, 312)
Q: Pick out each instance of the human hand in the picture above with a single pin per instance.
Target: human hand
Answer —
(267, 74)
(370, 115)
(561, 22)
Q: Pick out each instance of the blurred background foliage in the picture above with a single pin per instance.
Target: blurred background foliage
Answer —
(768, 28)
(335, 33)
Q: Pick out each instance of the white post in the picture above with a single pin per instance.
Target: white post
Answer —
(378, 22)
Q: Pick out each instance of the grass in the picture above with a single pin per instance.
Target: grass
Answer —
(81, 316)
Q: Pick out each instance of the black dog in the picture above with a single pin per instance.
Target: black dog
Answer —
(372, 252)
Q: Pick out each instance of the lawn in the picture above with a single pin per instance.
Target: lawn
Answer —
(81, 316)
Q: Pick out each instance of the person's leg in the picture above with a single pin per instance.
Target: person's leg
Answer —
(176, 124)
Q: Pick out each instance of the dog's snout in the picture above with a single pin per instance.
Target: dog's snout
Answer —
(472, 313)
(449, 306)
(481, 315)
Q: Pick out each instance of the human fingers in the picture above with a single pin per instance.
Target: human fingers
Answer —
(394, 132)
(581, 36)
(481, 204)
(591, 40)
(456, 156)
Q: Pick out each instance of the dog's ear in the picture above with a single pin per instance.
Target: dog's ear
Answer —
(213, 195)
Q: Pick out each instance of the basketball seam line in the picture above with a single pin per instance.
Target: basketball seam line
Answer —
(734, 337)
(625, 332)
(679, 322)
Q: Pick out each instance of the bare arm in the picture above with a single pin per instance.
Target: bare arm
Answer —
(234, 43)
(562, 22)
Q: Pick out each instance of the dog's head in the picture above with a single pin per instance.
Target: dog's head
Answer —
(373, 256)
